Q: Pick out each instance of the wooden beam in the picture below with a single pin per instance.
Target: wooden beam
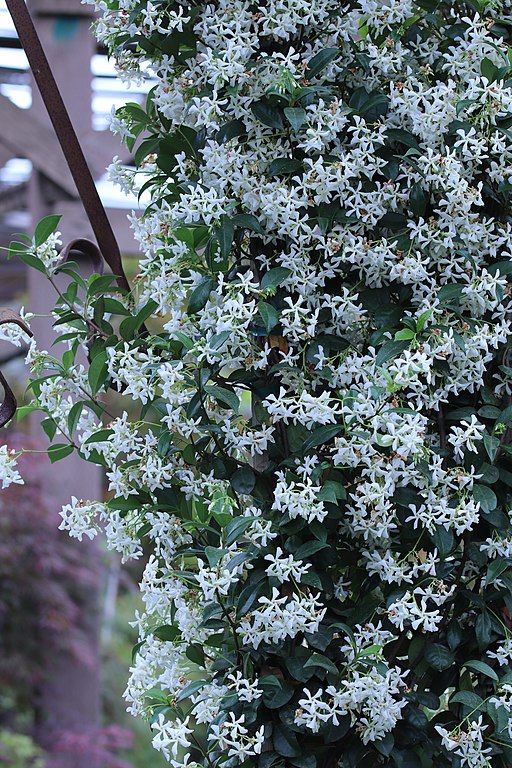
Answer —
(13, 197)
(100, 147)
(25, 136)
(5, 155)
(74, 224)
(60, 8)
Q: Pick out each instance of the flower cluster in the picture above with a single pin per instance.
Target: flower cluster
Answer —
(9, 473)
(315, 376)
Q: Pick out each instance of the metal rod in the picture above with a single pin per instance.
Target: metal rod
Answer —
(67, 137)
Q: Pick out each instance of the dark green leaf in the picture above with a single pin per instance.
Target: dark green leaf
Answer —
(489, 69)
(99, 437)
(322, 435)
(98, 372)
(190, 689)
(491, 444)
(269, 315)
(467, 699)
(236, 528)
(309, 548)
(164, 443)
(125, 505)
(74, 415)
(195, 653)
(418, 199)
(438, 656)
(230, 130)
(166, 632)
(318, 660)
(199, 295)
(485, 496)
(224, 396)
(385, 745)
(243, 480)
(443, 540)
(284, 165)
(267, 114)
(296, 116)
(59, 451)
(225, 235)
(480, 666)
(304, 761)
(131, 325)
(32, 261)
(274, 277)
(483, 629)
(45, 228)
(219, 339)
(214, 555)
(496, 569)
(248, 221)
(372, 105)
(278, 697)
(389, 350)
(320, 61)
(285, 742)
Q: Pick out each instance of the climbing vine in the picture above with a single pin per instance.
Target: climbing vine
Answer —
(314, 357)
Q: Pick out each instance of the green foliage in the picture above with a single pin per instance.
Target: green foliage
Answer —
(322, 423)
(19, 751)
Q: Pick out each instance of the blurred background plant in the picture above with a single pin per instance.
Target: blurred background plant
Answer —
(19, 751)
(42, 584)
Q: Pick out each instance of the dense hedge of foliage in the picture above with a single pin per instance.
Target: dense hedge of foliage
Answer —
(320, 456)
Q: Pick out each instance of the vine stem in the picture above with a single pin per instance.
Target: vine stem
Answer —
(232, 624)
(73, 308)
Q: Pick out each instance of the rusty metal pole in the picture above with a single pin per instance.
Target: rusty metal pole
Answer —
(70, 693)
(67, 137)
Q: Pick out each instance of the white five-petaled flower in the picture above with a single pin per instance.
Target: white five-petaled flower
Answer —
(466, 436)
(8, 471)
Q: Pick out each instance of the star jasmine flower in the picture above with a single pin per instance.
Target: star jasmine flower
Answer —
(8, 471)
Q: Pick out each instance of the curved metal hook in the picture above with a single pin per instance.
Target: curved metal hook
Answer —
(9, 403)
(85, 248)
